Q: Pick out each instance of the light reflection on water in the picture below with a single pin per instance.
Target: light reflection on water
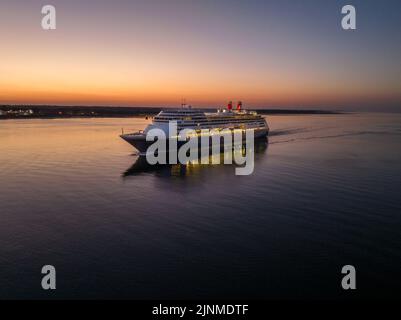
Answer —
(200, 164)
(325, 193)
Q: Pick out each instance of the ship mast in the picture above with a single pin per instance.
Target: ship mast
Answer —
(183, 103)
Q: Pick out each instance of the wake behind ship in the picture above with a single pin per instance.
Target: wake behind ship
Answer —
(238, 120)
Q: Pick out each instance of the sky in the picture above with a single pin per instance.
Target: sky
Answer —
(281, 53)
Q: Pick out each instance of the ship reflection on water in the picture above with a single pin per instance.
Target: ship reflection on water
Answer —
(142, 166)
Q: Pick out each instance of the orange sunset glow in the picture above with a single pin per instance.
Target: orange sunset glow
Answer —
(154, 55)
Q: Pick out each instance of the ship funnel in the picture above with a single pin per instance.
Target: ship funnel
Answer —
(230, 105)
(239, 105)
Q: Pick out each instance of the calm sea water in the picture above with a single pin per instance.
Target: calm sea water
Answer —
(325, 193)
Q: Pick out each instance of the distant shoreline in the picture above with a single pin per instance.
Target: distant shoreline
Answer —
(8, 112)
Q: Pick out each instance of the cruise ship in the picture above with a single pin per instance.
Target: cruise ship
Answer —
(188, 118)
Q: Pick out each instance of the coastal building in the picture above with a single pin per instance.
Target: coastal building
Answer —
(17, 112)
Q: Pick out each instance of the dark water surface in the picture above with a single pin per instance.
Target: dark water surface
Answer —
(326, 192)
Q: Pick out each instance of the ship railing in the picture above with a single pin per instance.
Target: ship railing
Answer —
(135, 133)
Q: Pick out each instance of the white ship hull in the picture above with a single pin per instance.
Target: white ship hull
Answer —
(139, 140)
